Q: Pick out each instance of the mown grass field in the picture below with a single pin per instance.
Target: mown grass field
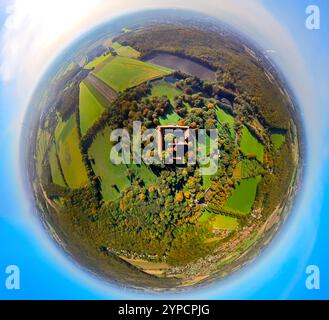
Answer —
(243, 197)
(125, 51)
(219, 221)
(224, 117)
(90, 108)
(144, 172)
(122, 73)
(97, 61)
(114, 178)
(54, 167)
(170, 118)
(278, 140)
(163, 88)
(225, 223)
(67, 142)
(206, 179)
(250, 146)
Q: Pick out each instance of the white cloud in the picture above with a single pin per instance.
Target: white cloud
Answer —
(31, 31)
(36, 30)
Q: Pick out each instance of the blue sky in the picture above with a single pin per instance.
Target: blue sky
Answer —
(277, 274)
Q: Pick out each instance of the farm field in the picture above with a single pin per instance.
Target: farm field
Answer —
(67, 141)
(250, 146)
(225, 223)
(122, 73)
(125, 51)
(163, 88)
(113, 177)
(155, 268)
(54, 168)
(278, 140)
(95, 63)
(90, 108)
(219, 221)
(43, 141)
(224, 117)
(243, 197)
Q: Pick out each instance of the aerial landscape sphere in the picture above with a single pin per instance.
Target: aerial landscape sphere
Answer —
(127, 198)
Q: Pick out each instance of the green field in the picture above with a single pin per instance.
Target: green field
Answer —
(90, 108)
(125, 51)
(42, 145)
(114, 178)
(243, 197)
(67, 142)
(250, 146)
(163, 88)
(224, 117)
(170, 118)
(97, 61)
(247, 169)
(122, 73)
(225, 223)
(144, 172)
(54, 168)
(219, 221)
(278, 140)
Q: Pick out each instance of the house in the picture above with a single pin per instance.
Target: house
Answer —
(163, 131)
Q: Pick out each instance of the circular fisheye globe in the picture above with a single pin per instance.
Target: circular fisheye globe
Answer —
(163, 150)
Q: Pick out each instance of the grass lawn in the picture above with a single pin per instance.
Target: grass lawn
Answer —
(224, 117)
(250, 146)
(243, 197)
(90, 108)
(163, 88)
(113, 177)
(54, 168)
(219, 221)
(170, 118)
(122, 73)
(225, 223)
(145, 173)
(97, 61)
(278, 140)
(67, 142)
(206, 181)
(125, 51)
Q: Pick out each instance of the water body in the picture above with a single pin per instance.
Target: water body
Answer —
(185, 65)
